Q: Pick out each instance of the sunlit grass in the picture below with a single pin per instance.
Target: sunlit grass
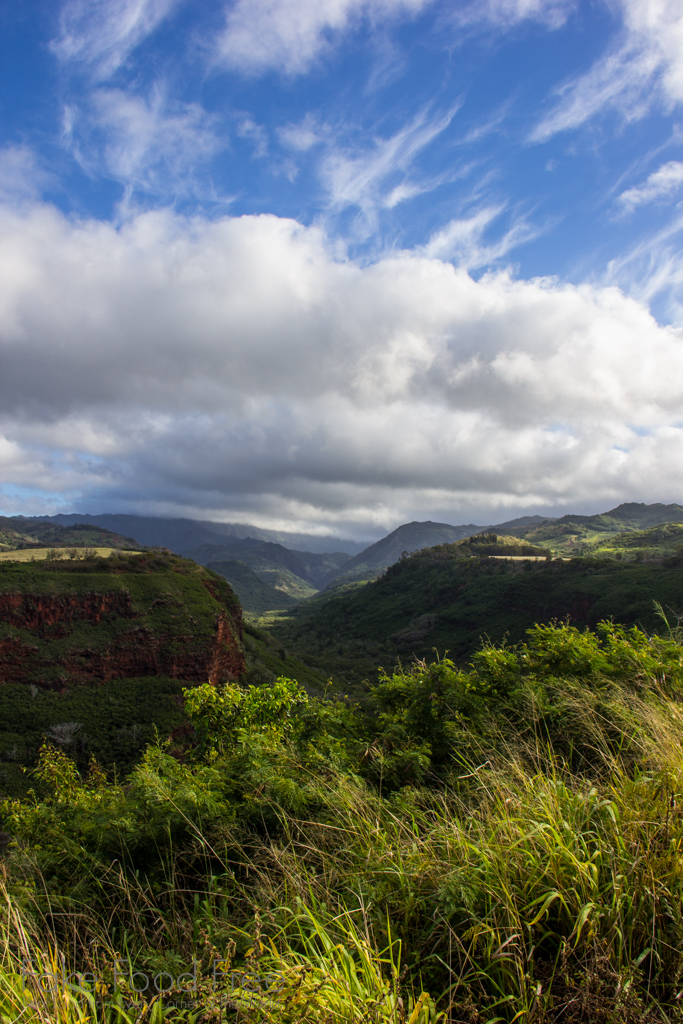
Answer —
(536, 876)
(59, 554)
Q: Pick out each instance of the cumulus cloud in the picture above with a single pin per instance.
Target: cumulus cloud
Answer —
(643, 66)
(99, 35)
(661, 184)
(238, 368)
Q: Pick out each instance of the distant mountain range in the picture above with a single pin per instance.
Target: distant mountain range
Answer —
(179, 535)
(294, 566)
(309, 566)
(567, 534)
(18, 533)
(295, 575)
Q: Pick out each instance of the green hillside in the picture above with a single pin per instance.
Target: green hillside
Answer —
(163, 595)
(17, 532)
(255, 595)
(569, 535)
(94, 652)
(446, 599)
(577, 535)
(657, 542)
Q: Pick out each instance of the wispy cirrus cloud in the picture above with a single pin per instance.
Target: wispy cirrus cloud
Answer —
(147, 143)
(661, 184)
(379, 176)
(462, 239)
(505, 13)
(290, 35)
(652, 269)
(135, 134)
(99, 35)
(644, 66)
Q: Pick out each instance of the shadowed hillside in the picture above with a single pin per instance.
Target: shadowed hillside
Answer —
(254, 593)
(447, 598)
(17, 533)
(95, 652)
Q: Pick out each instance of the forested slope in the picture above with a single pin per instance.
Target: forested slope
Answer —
(446, 599)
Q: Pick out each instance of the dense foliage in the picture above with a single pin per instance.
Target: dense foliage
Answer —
(67, 626)
(442, 600)
(504, 837)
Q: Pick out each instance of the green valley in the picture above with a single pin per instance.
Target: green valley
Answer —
(407, 799)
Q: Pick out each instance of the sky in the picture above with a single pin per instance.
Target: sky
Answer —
(335, 265)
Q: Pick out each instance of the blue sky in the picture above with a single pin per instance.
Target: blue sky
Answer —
(336, 264)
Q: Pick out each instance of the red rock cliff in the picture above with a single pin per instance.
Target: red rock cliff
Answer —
(43, 642)
(33, 611)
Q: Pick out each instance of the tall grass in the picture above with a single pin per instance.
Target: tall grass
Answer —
(539, 878)
(524, 890)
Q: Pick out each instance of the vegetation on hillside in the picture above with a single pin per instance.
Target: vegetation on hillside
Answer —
(69, 626)
(254, 593)
(580, 535)
(17, 533)
(447, 599)
(658, 542)
(167, 595)
(113, 723)
(496, 843)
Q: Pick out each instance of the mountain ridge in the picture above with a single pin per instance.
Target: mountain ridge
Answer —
(180, 534)
(298, 571)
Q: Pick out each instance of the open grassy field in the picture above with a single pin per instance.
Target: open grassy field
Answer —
(38, 554)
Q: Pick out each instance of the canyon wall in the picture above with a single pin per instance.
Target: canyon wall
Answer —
(83, 636)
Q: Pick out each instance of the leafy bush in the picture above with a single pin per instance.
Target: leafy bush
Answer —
(492, 843)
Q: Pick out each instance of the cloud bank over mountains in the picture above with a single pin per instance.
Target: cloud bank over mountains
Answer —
(237, 368)
(337, 264)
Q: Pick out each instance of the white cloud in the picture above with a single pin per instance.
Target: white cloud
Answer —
(256, 133)
(303, 136)
(152, 144)
(367, 180)
(289, 35)
(22, 177)
(100, 34)
(462, 239)
(643, 66)
(505, 13)
(238, 368)
(652, 269)
(661, 184)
